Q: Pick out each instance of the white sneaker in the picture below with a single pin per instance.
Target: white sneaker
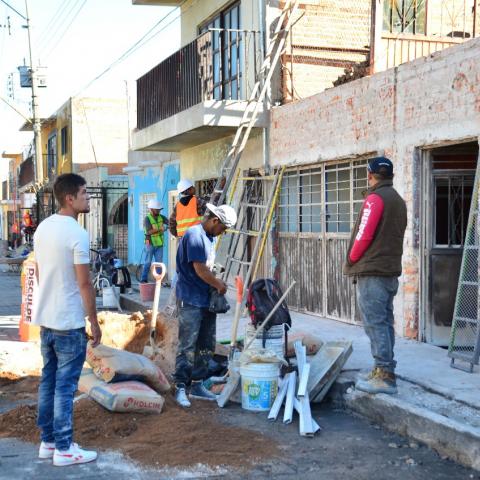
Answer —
(73, 456)
(46, 450)
(181, 398)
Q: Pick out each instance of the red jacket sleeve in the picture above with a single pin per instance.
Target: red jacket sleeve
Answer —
(372, 211)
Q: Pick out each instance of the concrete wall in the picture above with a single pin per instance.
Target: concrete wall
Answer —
(156, 179)
(99, 131)
(432, 101)
(204, 162)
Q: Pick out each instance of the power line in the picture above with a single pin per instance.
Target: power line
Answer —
(140, 43)
(66, 29)
(47, 32)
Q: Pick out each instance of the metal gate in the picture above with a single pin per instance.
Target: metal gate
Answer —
(317, 209)
(107, 221)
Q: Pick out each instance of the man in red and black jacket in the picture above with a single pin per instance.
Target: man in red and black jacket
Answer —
(374, 258)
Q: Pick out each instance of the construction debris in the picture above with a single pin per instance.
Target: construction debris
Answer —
(326, 365)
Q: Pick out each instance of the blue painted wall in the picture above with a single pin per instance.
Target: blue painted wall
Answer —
(159, 180)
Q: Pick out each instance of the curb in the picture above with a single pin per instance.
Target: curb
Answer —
(458, 441)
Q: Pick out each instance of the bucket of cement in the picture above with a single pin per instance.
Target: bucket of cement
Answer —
(110, 296)
(274, 339)
(147, 291)
(259, 385)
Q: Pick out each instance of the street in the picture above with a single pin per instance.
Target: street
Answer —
(347, 447)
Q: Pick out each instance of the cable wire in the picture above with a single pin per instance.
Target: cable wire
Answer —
(66, 29)
(139, 43)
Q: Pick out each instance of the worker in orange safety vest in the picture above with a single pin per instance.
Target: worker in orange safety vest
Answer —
(188, 211)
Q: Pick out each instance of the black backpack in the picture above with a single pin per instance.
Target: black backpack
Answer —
(263, 295)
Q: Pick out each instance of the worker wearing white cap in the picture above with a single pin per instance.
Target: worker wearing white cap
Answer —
(154, 226)
(188, 211)
(197, 323)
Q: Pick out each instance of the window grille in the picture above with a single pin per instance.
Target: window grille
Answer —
(301, 201)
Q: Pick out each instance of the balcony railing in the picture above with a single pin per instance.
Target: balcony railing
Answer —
(220, 64)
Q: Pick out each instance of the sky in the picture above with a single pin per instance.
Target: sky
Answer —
(76, 40)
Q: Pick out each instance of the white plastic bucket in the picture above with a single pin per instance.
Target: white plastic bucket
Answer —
(274, 339)
(110, 296)
(259, 385)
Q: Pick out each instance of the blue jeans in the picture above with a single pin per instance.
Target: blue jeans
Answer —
(63, 355)
(375, 302)
(196, 343)
(152, 252)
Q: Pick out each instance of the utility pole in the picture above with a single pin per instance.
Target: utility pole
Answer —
(37, 133)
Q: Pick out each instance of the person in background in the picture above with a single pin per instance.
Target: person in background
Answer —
(65, 295)
(197, 325)
(374, 259)
(188, 211)
(155, 225)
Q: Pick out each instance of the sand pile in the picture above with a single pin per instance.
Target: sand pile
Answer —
(125, 332)
(175, 438)
(166, 341)
(15, 387)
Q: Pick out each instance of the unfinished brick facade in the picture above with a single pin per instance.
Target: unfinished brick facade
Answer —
(328, 37)
(430, 102)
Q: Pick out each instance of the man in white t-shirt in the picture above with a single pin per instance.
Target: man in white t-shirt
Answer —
(65, 295)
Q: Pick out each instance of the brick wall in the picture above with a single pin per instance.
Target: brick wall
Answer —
(328, 37)
(432, 101)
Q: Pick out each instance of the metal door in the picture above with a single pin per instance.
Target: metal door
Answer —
(449, 193)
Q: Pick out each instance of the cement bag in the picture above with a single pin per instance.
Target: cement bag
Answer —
(128, 396)
(112, 365)
(311, 342)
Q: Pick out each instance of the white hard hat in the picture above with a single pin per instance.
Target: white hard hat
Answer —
(183, 185)
(154, 204)
(224, 213)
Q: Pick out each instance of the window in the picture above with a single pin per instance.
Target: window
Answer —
(227, 52)
(64, 140)
(405, 16)
(302, 202)
(144, 208)
(453, 196)
(52, 155)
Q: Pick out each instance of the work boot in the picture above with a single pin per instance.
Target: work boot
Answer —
(181, 397)
(367, 376)
(381, 381)
(199, 391)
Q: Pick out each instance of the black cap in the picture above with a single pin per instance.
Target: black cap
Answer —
(381, 165)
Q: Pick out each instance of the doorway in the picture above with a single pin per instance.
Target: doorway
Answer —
(449, 176)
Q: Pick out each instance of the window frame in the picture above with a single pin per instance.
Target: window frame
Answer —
(64, 140)
(293, 198)
(224, 44)
(389, 12)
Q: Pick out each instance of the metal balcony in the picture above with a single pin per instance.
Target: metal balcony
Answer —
(199, 93)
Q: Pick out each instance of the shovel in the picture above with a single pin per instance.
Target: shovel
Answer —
(233, 370)
(156, 299)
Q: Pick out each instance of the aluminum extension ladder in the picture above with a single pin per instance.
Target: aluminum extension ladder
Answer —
(465, 335)
(274, 51)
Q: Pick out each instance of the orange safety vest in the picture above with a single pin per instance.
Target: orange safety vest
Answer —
(187, 216)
